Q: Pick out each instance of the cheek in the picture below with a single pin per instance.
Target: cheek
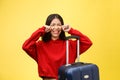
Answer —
(59, 28)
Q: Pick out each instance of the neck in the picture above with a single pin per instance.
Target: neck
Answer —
(55, 38)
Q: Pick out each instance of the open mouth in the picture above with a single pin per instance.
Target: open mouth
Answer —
(56, 32)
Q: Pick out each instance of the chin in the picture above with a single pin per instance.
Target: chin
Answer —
(55, 37)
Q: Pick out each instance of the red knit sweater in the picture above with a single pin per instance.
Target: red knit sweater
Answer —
(51, 55)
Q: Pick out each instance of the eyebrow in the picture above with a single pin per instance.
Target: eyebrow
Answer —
(55, 24)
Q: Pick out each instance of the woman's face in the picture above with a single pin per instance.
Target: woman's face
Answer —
(56, 28)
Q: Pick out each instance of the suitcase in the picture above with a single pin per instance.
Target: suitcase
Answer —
(78, 70)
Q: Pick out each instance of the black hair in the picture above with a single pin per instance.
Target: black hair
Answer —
(47, 36)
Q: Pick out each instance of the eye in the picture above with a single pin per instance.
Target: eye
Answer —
(59, 25)
(52, 25)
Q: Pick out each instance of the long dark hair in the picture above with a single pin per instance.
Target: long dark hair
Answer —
(47, 36)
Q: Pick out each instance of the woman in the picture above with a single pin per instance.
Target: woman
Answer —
(49, 53)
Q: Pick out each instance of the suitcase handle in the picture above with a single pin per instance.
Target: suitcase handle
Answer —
(67, 48)
(71, 37)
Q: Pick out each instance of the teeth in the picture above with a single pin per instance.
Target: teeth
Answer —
(55, 31)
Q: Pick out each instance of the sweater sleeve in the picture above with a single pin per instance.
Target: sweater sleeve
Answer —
(85, 42)
(29, 45)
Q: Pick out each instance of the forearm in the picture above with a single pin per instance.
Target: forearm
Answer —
(78, 33)
(85, 42)
(33, 38)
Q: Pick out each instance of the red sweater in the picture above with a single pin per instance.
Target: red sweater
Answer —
(51, 55)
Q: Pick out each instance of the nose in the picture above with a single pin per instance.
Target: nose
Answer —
(56, 27)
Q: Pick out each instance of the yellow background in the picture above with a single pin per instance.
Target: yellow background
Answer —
(98, 19)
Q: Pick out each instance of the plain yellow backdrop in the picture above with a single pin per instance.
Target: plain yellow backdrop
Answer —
(98, 19)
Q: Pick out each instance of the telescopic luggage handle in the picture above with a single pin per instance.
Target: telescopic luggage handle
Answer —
(67, 47)
(73, 37)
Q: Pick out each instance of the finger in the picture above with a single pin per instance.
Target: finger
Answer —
(52, 27)
(47, 26)
(66, 28)
(47, 29)
(63, 27)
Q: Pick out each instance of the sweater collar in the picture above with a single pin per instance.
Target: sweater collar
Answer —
(56, 41)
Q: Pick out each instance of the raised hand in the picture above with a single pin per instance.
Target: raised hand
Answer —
(47, 28)
(66, 28)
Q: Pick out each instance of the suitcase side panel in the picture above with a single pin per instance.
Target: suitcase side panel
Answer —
(80, 71)
(83, 72)
(87, 72)
(63, 70)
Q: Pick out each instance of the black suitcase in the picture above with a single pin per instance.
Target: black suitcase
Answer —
(78, 70)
